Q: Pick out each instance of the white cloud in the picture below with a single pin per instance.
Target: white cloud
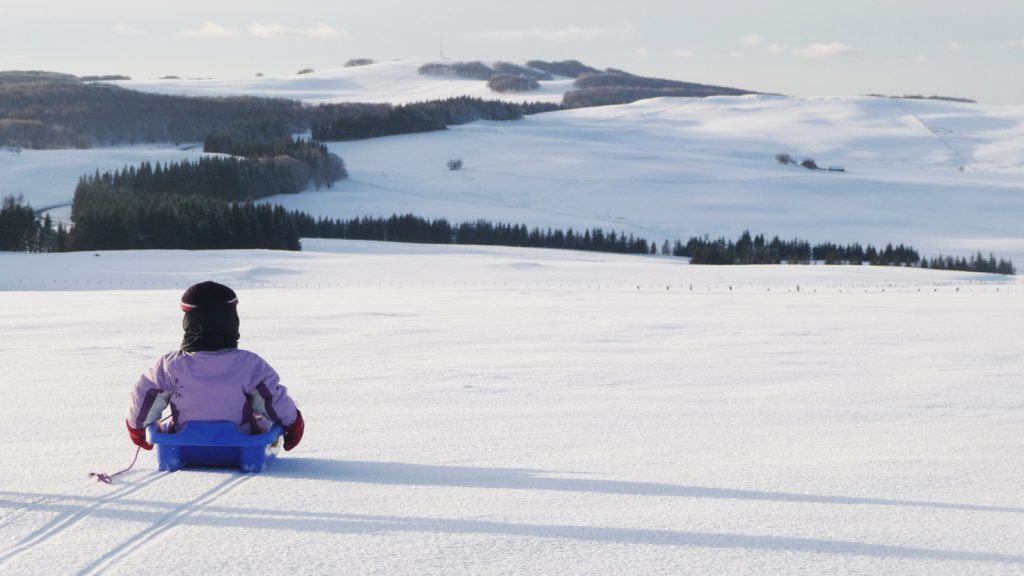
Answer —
(212, 30)
(641, 52)
(753, 40)
(273, 31)
(567, 34)
(1018, 43)
(953, 46)
(684, 54)
(760, 45)
(17, 57)
(820, 50)
(122, 30)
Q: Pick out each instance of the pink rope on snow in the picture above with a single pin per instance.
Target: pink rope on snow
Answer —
(108, 478)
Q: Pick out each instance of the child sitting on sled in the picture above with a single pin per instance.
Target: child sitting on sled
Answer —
(210, 378)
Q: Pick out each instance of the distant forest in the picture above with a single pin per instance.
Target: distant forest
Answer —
(55, 111)
(44, 110)
(121, 220)
(386, 120)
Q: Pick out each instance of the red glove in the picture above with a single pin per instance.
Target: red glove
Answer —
(293, 432)
(138, 436)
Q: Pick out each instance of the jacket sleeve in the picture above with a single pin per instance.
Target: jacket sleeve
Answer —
(149, 396)
(270, 398)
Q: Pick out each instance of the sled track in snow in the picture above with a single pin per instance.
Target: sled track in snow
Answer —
(161, 525)
(68, 519)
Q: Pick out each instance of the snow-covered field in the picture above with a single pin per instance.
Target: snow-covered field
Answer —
(944, 177)
(481, 410)
(394, 81)
(515, 411)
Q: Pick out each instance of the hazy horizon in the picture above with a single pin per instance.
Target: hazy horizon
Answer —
(798, 47)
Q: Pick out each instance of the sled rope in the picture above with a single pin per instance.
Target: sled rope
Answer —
(108, 478)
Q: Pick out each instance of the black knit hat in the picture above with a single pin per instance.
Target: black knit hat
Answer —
(206, 293)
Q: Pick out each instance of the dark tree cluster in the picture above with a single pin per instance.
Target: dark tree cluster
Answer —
(22, 231)
(226, 178)
(568, 68)
(595, 240)
(104, 78)
(517, 70)
(923, 97)
(611, 95)
(757, 249)
(272, 141)
(422, 117)
(977, 263)
(77, 113)
(358, 62)
(512, 83)
(899, 255)
(411, 228)
(35, 135)
(468, 70)
(119, 219)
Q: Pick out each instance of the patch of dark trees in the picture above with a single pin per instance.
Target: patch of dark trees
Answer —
(502, 77)
(47, 111)
(619, 87)
(977, 263)
(748, 249)
(272, 142)
(467, 70)
(116, 218)
(923, 97)
(411, 228)
(567, 68)
(387, 120)
(223, 177)
(757, 249)
(512, 83)
(359, 62)
(22, 231)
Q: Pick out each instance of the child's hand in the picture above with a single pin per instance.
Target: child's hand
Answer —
(138, 436)
(293, 433)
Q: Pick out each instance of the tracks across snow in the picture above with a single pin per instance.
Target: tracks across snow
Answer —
(162, 524)
(65, 529)
(53, 529)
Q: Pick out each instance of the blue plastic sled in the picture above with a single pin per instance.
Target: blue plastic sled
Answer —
(214, 443)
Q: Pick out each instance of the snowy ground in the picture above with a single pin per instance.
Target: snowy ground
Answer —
(507, 411)
(672, 168)
(394, 81)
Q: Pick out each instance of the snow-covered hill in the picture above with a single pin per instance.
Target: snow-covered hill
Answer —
(942, 176)
(517, 411)
(485, 410)
(396, 81)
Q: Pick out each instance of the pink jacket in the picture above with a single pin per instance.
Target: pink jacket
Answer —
(232, 384)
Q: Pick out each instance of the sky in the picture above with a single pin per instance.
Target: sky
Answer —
(972, 49)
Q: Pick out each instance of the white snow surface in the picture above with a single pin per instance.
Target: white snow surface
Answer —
(393, 81)
(475, 410)
(944, 177)
(478, 410)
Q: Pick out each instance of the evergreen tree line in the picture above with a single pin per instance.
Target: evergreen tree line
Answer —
(61, 111)
(223, 177)
(273, 141)
(22, 231)
(977, 263)
(758, 249)
(117, 218)
(419, 117)
(120, 219)
(411, 228)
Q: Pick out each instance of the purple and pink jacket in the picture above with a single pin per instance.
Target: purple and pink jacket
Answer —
(232, 384)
